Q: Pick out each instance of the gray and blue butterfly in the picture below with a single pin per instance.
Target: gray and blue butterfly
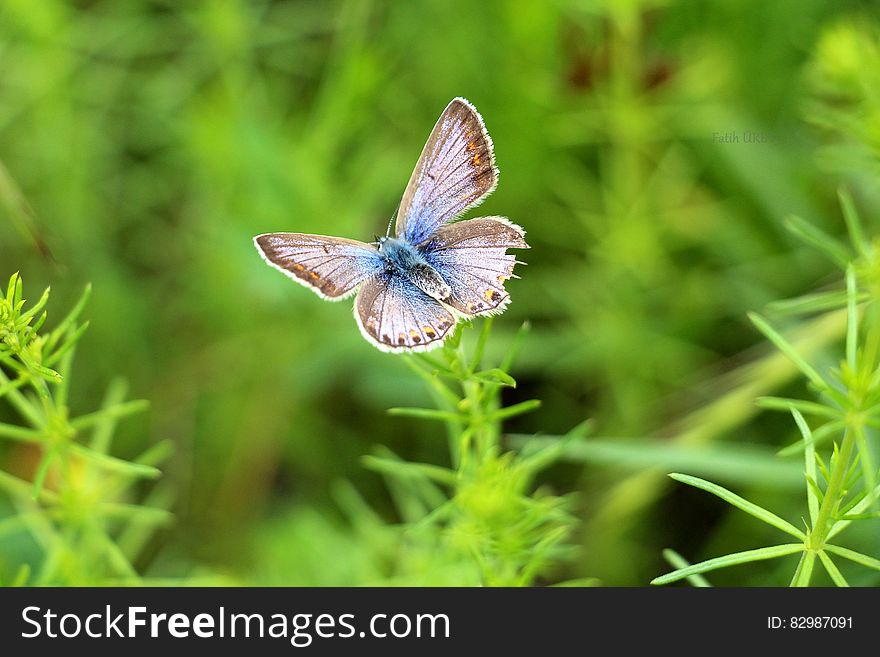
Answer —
(413, 287)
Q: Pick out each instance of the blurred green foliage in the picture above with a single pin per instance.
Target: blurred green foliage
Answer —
(143, 143)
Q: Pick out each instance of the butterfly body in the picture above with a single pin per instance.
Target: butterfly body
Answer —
(413, 287)
(404, 259)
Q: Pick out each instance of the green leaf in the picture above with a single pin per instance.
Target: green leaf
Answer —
(156, 454)
(496, 375)
(21, 434)
(11, 386)
(731, 498)
(116, 411)
(852, 319)
(865, 458)
(818, 436)
(785, 347)
(439, 391)
(141, 513)
(45, 372)
(832, 570)
(809, 465)
(811, 303)
(24, 405)
(431, 362)
(820, 463)
(37, 307)
(771, 552)
(677, 561)
(852, 555)
(831, 247)
(138, 530)
(804, 570)
(477, 357)
(515, 346)
(806, 407)
(10, 289)
(541, 452)
(741, 463)
(516, 409)
(22, 576)
(426, 414)
(409, 469)
(582, 582)
(23, 489)
(853, 223)
(103, 432)
(64, 368)
(811, 483)
(41, 473)
(116, 558)
(116, 465)
(860, 516)
(70, 318)
(69, 343)
(39, 323)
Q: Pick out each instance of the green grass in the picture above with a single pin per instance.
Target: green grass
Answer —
(78, 503)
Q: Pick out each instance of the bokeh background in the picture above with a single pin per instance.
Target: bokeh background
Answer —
(144, 143)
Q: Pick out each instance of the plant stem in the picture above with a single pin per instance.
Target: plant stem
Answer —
(833, 493)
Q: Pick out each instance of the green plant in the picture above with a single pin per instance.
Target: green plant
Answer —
(841, 487)
(477, 521)
(78, 503)
(843, 76)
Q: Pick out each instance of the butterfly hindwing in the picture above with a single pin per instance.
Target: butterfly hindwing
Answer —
(455, 171)
(332, 267)
(395, 315)
(472, 258)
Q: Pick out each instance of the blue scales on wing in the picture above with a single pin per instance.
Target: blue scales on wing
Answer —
(395, 315)
(472, 258)
(455, 172)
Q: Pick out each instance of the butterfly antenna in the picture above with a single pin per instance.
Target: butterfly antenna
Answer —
(391, 221)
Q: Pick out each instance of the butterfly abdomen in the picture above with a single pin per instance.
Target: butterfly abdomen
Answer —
(426, 278)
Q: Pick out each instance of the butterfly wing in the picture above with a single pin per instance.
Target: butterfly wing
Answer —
(472, 258)
(332, 267)
(455, 171)
(395, 315)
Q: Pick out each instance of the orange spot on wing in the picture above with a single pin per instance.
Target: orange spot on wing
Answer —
(472, 146)
(314, 275)
(298, 267)
(475, 160)
(430, 332)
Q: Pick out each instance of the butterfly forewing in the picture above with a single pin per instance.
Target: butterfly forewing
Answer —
(395, 315)
(333, 267)
(471, 257)
(455, 171)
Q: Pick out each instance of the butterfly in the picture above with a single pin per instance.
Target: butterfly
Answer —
(414, 286)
